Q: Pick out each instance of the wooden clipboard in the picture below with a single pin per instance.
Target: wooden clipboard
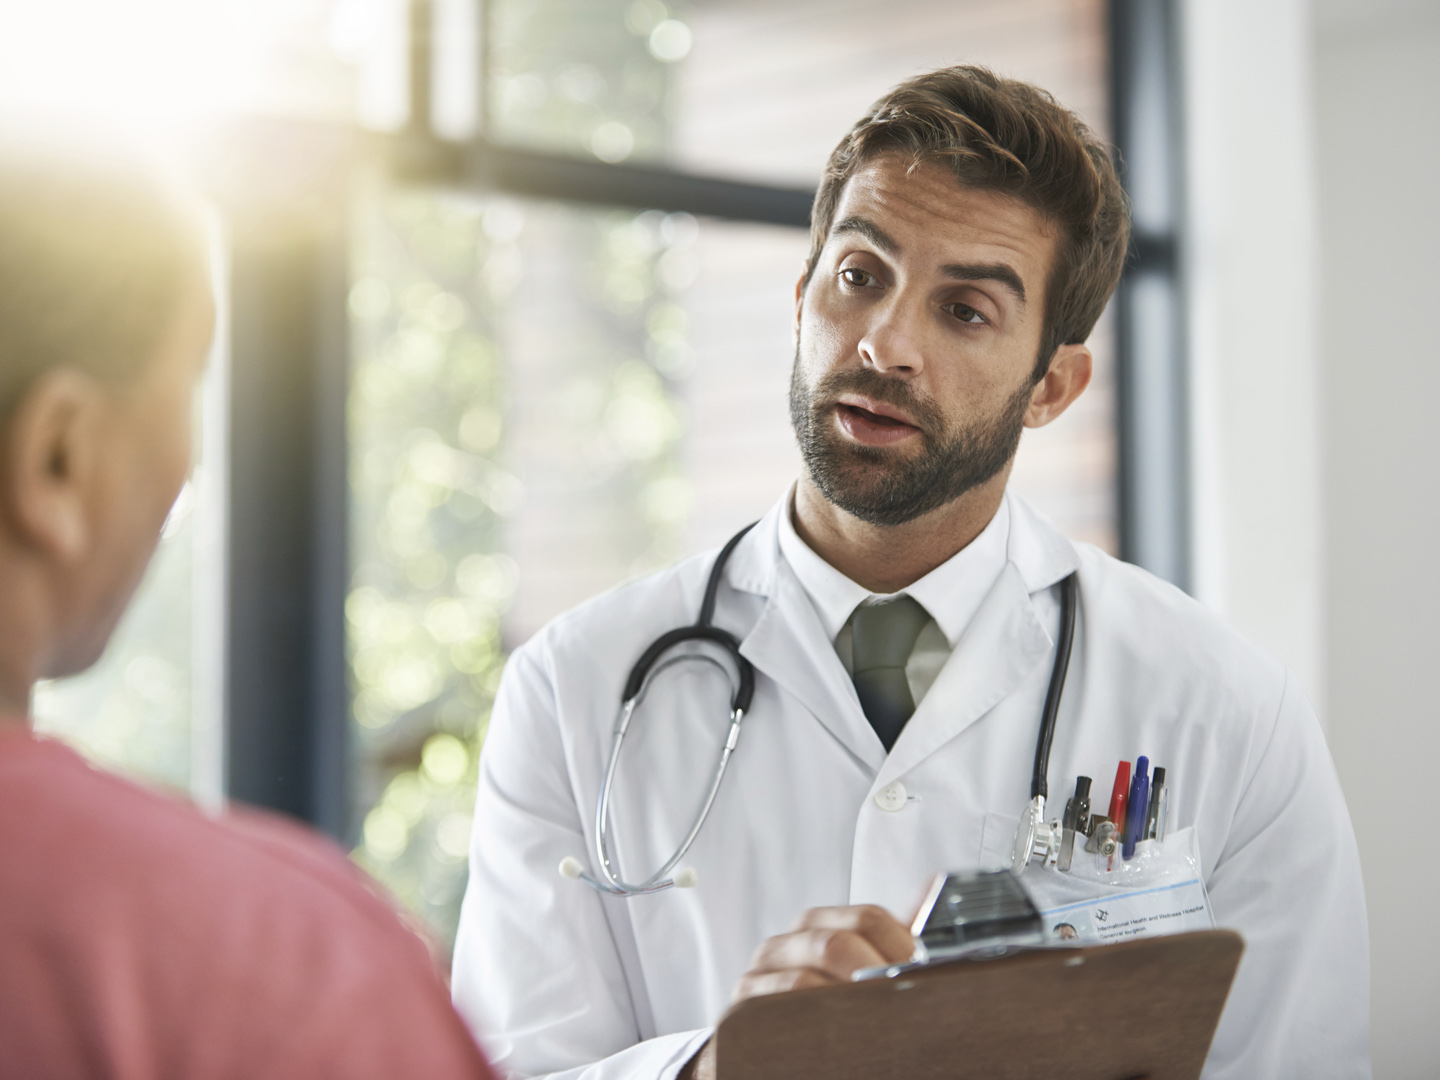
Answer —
(1143, 1008)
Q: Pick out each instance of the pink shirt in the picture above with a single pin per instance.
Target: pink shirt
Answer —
(140, 939)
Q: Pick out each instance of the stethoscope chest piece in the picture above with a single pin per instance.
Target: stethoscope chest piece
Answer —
(1036, 840)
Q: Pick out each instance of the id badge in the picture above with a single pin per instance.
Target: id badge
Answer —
(1160, 890)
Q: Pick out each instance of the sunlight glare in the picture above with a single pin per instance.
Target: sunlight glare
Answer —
(160, 64)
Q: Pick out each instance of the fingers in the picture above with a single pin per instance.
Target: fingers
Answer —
(836, 942)
(759, 983)
(836, 953)
(890, 939)
(827, 947)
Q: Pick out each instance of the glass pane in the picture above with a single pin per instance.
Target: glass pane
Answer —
(587, 77)
(759, 90)
(429, 490)
(768, 89)
(547, 400)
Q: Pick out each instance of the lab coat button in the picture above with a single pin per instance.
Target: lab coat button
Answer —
(891, 797)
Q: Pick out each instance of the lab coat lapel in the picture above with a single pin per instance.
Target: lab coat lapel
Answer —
(999, 649)
(789, 645)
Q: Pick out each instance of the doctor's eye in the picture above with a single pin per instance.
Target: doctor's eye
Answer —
(853, 275)
(966, 314)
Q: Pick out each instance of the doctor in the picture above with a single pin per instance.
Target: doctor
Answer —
(900, 608)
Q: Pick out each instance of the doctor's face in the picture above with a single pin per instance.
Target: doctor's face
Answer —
(918, 336)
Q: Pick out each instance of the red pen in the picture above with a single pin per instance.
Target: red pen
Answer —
(1119, 794)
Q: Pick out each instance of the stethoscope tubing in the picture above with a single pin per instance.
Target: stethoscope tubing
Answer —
(655, 882)
(643, 673)
(1039, 784)
(640, 678)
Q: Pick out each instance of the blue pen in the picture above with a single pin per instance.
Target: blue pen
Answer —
(1135, 809)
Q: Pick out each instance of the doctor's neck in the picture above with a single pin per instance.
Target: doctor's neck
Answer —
(888, 558)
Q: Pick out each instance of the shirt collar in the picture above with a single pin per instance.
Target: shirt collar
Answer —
(951, 593)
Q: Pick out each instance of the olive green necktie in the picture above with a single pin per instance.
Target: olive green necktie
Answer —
(883, 636)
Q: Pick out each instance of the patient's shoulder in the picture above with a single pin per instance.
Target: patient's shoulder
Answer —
(131, 918)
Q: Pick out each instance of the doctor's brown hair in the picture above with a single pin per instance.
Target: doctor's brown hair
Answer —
(1007, 136)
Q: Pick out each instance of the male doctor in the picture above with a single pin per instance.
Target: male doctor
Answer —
(901, 609)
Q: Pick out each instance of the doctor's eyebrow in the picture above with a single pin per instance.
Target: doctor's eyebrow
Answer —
(1001, 273)
(997, 272)
(870, 231)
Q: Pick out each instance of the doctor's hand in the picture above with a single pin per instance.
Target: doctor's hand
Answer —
(827, 946)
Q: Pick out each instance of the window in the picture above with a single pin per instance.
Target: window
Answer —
(550, 397)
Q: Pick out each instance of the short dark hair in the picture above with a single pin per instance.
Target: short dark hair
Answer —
(1007, 136)
(98, 247)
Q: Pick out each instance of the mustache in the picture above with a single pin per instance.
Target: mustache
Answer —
(924, 413)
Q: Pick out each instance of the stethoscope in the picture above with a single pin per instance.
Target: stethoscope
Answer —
(1034, 837)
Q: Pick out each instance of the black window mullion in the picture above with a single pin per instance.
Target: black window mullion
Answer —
(1152, 376)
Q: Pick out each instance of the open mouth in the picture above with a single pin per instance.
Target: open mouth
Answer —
(873, 417)
(874, 426)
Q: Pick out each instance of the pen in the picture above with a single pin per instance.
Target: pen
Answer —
(1137, 805)
(1159, 803)
(1117, 804)
(1117, 795)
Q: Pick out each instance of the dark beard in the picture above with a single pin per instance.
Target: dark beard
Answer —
(874, 483)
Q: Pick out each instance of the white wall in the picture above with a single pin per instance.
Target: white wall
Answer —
(1314, 169)
(1253, 344)
(1377, 76)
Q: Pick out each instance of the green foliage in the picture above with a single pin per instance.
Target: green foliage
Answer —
(429, 490)
(459, 305)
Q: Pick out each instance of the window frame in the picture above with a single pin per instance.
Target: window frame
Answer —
(284, 187)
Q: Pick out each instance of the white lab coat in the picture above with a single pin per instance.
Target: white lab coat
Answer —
(556, 979)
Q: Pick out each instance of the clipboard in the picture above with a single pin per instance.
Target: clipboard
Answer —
(1143, 1008)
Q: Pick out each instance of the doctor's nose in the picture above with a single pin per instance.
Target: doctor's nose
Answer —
(891, 343)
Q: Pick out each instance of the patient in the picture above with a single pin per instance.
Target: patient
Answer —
(139, 938)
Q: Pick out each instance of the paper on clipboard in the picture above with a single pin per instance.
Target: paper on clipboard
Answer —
(1163, 909)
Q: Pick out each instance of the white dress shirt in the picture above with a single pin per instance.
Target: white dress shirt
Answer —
(951, 594)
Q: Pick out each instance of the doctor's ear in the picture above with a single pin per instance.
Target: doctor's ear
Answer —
(1065, 380)
(51, 462)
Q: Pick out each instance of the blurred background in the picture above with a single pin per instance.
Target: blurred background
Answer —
(506, 292)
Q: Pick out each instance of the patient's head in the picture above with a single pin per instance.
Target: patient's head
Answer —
(105, 320)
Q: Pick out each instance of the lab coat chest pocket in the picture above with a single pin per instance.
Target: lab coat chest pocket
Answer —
(997, 841)
(1160, 891)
